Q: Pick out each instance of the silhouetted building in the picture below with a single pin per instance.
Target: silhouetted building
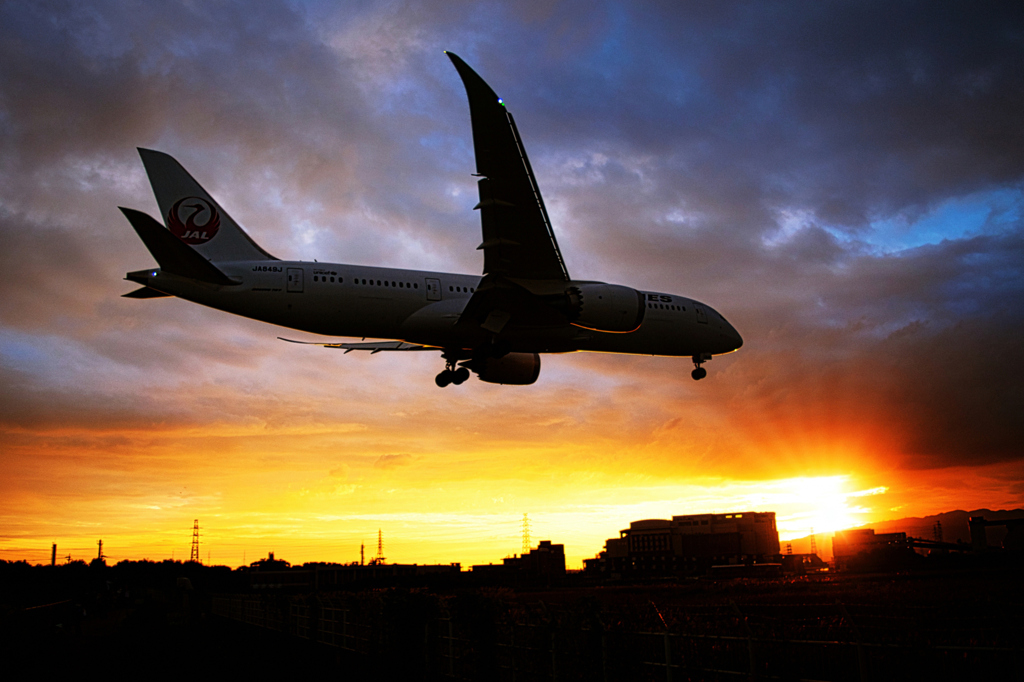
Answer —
(269, 564)
(687, 545)
(543, 565)
(1014, 539)
(277, 574)
(863, 549)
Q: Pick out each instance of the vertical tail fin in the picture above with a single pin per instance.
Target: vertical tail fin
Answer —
(193, 216)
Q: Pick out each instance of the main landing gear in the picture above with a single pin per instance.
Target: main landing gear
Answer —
(699, 372)
(451, 374)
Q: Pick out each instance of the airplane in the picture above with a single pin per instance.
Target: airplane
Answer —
(495, 324)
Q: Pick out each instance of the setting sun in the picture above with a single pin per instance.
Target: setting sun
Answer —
(819, 505)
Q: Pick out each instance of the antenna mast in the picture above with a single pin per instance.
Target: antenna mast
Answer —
(380, 547)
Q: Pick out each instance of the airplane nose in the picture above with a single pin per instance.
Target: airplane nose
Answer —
(737, 339)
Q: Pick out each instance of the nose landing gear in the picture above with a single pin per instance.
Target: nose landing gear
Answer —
(699, 372)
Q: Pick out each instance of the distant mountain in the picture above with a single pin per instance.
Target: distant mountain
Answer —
(955, 528)
(954, 525)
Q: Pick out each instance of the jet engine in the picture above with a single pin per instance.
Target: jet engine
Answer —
(513, 368)
(605, 307)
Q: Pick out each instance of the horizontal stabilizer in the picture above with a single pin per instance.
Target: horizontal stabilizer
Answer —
(173, 255)
(372, 346)
(145, 292)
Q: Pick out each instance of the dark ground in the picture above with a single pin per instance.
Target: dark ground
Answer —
(156, 620)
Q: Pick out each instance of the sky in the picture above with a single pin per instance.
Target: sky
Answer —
(844, 181)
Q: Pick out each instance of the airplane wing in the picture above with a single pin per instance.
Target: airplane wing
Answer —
(372, 346)
(518, 241)
(498, 302)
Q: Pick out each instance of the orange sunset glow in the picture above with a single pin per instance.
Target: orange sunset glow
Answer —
(849, 198)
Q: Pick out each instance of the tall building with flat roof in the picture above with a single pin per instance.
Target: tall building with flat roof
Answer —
(688, 544)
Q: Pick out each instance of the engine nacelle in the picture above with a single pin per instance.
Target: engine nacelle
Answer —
(513, 368)
(606, 307)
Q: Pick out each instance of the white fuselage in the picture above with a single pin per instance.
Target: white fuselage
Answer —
(422, 308)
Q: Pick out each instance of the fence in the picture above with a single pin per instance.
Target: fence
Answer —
(496, 638)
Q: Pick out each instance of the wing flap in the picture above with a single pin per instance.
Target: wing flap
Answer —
(372, 346)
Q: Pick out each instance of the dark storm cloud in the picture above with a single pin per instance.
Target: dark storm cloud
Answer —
(83, 79)
(848, 109)
(33, 289)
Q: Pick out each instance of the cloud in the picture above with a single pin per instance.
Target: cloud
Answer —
(393, 461)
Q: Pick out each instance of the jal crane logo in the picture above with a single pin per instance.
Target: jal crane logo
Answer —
(193, 220)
